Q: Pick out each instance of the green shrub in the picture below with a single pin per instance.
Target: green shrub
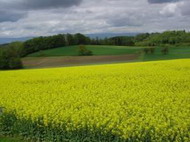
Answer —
(84, 52)
(146, 50)
(165, 50)
(152, 50)
(149, 50)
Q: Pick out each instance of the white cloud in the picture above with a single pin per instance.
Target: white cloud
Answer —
(169, 9)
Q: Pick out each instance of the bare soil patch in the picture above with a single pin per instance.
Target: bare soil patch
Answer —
(42, 62)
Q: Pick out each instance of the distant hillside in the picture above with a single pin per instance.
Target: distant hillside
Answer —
(99, 35)
(8, 40)
(108, 35)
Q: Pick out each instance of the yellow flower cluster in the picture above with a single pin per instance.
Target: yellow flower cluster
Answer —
(129, 100)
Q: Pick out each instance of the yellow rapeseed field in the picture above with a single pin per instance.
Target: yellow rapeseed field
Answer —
(149, 100)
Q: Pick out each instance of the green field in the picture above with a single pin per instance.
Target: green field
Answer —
(96, 49)
(174, 53)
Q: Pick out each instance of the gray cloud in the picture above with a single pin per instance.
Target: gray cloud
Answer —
(185, 8)
(161, 1)
(13, 10)
(129, 19)
(11, 16)
(46, 4)
(38, 4)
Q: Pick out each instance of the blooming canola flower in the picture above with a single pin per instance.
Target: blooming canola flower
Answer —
(128, 100)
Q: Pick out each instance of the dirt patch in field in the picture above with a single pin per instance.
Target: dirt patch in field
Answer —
(41, 62)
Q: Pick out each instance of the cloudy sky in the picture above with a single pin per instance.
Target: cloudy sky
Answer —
(25, 18)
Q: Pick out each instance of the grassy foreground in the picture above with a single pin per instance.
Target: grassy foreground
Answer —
(3, 139)
(123, 102)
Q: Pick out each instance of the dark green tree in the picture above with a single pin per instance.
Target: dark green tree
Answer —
(10, 59)
(81, 39)
(70, 40)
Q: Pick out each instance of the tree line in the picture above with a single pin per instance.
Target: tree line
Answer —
(10, 54)
(49, 42)
(147, 39)
(165, 38)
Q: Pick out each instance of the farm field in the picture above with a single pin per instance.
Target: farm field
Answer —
(146, 101)
(94, 71)
(96, 49)
(60, 61)
(68, 56)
